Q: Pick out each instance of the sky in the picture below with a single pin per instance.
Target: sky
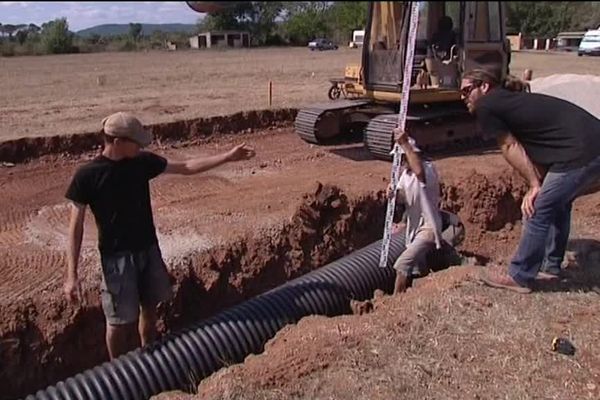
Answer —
(83, 14)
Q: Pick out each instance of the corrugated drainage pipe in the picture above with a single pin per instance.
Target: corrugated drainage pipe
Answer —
(181, 360)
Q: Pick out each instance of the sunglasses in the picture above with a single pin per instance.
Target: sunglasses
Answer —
(466, 91)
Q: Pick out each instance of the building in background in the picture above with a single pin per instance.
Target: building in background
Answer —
(220, 39)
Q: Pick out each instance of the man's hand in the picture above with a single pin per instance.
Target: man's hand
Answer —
(400, 135)
(398, 227)
(527, 207)
(72, 290)
(240, 152)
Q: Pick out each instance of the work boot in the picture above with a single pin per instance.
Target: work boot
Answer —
(546, 276)
(501, 280)
(402, 283)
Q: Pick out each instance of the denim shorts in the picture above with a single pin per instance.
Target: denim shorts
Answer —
(131, 280)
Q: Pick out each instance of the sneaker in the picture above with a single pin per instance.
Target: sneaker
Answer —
(502, 280)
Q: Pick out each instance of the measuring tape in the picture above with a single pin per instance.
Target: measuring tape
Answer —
(406, 79)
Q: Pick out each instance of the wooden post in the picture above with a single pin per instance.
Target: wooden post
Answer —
(270, 94)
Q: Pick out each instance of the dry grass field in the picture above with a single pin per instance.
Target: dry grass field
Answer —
(50, 95)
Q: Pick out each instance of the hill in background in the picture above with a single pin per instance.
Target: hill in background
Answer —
(147, 29)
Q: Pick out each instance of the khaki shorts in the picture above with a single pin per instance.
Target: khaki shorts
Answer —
(131, 280)
(413, 259)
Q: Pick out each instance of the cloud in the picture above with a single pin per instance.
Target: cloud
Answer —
(81, 15)
(14, 3)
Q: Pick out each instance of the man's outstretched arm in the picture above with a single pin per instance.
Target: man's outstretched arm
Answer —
(202, 164)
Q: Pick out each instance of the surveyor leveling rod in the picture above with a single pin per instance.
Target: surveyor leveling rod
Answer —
(406, 79)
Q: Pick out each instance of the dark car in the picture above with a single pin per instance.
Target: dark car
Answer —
(322, 44)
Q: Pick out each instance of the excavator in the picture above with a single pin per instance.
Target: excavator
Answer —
(452, 37)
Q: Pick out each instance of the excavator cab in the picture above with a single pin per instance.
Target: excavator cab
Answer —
(452, 37)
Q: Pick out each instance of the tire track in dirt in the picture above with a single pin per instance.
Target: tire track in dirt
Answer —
(42, 268)
(33, 248)
(11, 227)
(49, 228)
(179, 190)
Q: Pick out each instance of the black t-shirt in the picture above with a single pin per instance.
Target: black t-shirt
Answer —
(554, 132)
(118, 194)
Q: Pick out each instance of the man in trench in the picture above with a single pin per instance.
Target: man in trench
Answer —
(115, 186)
(419, 194)
(553, 144)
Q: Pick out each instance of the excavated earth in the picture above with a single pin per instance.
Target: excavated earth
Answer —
(227, 235)
(244, 228)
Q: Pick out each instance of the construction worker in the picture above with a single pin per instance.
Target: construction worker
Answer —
(553, 144)
(115, 186)
(419, 189)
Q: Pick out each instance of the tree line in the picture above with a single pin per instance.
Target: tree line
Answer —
(548, 18)
(297, 22)
(281, 23)
(54, 37)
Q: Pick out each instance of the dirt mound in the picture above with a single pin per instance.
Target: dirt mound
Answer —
(19, 150)
(578, 89)
(490, 207)
(488, 202)
(449, 338)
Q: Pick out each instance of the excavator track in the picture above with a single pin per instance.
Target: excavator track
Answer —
(446, 130)
(322, 122)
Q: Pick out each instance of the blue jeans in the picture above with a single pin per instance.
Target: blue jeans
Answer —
(545, 234)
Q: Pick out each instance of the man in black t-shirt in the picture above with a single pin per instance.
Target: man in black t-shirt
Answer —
(553, 144)
(115, 187)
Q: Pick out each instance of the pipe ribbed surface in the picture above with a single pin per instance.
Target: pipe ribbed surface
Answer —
(181, 360)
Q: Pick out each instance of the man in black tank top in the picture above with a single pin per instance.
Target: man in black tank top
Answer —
(115, 186)
(553, 144)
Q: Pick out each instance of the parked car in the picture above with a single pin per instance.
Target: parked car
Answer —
(322, 44)
(590, 44)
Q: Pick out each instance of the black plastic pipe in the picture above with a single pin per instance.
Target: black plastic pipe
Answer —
(181, 360)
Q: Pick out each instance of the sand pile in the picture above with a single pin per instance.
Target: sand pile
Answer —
(583, 90)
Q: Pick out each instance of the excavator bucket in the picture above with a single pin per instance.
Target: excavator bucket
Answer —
(209, 6)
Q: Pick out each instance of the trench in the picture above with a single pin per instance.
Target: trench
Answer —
(51, 342)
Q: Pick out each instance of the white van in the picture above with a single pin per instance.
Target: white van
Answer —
(358, 38)
(590, 44)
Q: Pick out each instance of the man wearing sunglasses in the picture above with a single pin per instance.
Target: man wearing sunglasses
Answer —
(115, 186)
(553, 144)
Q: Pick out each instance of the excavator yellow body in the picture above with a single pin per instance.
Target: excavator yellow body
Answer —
(452, 38)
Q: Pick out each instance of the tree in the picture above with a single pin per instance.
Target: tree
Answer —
(307, 20)
(347, 16)
(135, 30)
(261, 19)
(94, 38)
(9, 29)
(56, 37)
(233, 17)
(586, 15)
(548, 18)
(21, 36)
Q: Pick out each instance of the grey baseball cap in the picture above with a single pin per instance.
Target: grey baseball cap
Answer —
(125, 125)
